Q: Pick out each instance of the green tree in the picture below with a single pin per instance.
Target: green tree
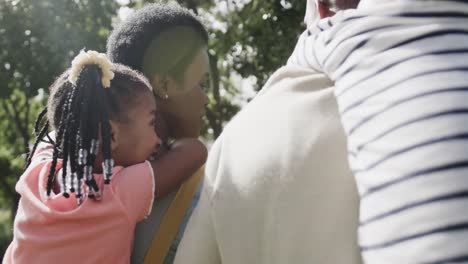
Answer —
(247, 38)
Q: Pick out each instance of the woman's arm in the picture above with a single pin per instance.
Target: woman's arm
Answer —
(172, 168)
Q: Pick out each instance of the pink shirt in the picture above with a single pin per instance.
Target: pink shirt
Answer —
(56, 229)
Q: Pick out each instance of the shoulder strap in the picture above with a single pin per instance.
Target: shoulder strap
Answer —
(173, 219)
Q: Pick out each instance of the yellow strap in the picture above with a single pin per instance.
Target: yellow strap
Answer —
(173, 219)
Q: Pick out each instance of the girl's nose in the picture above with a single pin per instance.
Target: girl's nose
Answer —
(158, 140)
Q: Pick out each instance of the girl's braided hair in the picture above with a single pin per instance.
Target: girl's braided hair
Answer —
(80, 112)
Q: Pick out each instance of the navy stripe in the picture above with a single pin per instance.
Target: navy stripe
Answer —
(444, 229)
(463, 136)
(318, 26)
(353, 18)
(448, 1)
(353, 36)
(360, 33)
(406, 100)
(458, 259)
(358, 46)
(408, 41)
(425, 172)
(461, 111)
(446, 197)
(459, 1)
(429, 35)
(330, 24)
(434, 14)
(388, 67)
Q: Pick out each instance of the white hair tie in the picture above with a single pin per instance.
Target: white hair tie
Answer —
(92, 57)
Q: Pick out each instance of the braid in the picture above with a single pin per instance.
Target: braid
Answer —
(58, 140)
(39, 137)
(106, 144)
(79, 169)
(65, 163)
(76, 146)
(93, 122)
(38, 120)
(66, 141)
(71, 140)
(49, 140)
(86, 84)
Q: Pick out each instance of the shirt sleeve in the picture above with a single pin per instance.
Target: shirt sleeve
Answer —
(315, 48)
(134, 186)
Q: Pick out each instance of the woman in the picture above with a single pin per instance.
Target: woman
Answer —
(169, 45)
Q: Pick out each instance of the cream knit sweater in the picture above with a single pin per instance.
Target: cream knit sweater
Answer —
(277, 186)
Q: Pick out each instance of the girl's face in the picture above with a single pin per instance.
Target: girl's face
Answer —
(135, 139)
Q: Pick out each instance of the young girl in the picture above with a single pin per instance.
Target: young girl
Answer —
(82, 195)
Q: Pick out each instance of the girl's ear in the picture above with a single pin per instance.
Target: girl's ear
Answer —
(115, 129)
(324, 10)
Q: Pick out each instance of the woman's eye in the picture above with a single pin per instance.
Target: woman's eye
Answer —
(205, 84)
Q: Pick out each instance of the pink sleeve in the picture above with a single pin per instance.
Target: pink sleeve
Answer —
(134, 187)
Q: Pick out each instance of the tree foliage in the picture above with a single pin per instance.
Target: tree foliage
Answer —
(38, 39)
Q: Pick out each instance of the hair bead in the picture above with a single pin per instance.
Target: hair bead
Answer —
(82, 157)
(94, 147)
(72, 182)
(79, 192)
(107, 166)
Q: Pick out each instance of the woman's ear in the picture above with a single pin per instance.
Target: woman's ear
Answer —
(324, 9)
(115, 133)
(163, 86)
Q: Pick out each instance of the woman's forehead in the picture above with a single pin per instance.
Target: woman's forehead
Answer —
(199, 67)
(196, 73)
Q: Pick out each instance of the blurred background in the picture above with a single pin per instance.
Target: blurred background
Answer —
(249, 39)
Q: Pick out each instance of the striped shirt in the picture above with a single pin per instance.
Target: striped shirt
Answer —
(401, 73)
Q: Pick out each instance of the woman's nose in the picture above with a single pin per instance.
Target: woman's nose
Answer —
(205, 98)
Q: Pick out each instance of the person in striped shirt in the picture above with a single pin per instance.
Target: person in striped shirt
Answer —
(400, 71)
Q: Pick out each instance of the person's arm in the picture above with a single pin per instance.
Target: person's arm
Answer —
(181, 161)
